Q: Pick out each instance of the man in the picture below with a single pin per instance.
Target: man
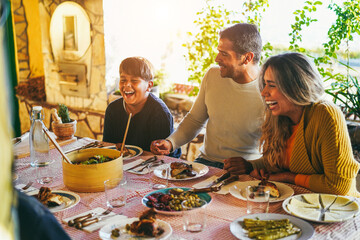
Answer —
(229, 103)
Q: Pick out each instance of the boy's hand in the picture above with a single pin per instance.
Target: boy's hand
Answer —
(161, 147)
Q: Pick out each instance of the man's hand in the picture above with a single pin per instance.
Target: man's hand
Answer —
(237, 166)
(161, 147)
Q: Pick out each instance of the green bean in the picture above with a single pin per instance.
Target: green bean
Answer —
(269, 229)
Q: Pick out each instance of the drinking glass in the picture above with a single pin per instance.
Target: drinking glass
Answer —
(116, 192)
(155, 182)
(44, 171)
(194, 218)
(257, 199)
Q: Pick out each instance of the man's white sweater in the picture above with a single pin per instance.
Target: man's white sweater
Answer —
(233, 114)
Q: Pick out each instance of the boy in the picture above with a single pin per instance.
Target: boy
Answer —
(151, 119)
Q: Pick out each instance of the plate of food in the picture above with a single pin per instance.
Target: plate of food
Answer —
(278, 191)
(242, 227)
(168, 201)
(322, 208)
(145, 227)
(56, 200)
(130, 151)
(181, 170)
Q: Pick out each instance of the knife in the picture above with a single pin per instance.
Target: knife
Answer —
(217, 188)
(219, 179)
(150, 160)
(231, 179)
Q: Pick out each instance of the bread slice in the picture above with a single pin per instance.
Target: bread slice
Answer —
(312, 198)
(306, 213)
(297, 203)
(350, 207)
(327, 200)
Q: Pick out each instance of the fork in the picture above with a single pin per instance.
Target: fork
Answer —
(27, 186)
(87, 216)
(155, 165)
(87, 222)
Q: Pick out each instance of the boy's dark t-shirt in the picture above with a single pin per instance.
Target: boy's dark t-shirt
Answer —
(153, 122)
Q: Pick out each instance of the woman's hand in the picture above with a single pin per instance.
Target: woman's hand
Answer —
(237, 166)
(161, 147)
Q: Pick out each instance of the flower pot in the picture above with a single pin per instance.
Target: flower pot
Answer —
(64, 131)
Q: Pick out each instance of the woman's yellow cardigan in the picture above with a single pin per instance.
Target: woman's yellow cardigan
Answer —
(323, 150)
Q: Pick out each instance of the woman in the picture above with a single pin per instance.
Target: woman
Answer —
(304, 139)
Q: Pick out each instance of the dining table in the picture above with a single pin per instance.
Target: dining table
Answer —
(221, 211)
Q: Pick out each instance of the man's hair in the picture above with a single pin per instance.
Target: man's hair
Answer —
(245, 38)
(137, 66)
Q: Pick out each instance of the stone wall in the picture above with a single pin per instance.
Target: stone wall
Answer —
(35, 59)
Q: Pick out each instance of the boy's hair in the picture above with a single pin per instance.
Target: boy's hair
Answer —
(137, 66)
(245, 38)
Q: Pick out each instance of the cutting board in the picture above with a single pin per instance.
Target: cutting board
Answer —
(22, 149)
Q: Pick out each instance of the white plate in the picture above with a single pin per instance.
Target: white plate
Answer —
(307, 231)
(350, 214)
(199, 168)
(105, 231)
(70, 199)
(238, 190)
(134, 150)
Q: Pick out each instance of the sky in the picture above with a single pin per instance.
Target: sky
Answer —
(156, 29)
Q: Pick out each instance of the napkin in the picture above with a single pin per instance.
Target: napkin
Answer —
(224, 189)
(29, 190)
(100, 224)
(105, 232)
(132, 164)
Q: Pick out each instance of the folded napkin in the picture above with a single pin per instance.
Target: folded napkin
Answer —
(101, 223)
(132, 164)
(29, 190)
(105, 232)
(224, 189)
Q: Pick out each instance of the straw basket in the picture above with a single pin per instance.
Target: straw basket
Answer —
(90, 178)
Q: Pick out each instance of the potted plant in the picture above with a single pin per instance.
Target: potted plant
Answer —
(347, 95)
(159, 79)
(63, 126)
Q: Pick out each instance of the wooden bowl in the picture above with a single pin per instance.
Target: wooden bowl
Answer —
(90, 178)
(64, 131)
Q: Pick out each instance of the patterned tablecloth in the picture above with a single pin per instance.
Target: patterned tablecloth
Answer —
(222, 210)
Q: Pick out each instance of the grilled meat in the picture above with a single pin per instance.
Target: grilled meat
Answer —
(179, 168)
(274, 191)
(146, 226)
(46, 197)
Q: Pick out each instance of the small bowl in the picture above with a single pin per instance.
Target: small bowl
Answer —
(64, 131)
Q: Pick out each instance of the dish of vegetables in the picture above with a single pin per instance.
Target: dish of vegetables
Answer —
(96, 159)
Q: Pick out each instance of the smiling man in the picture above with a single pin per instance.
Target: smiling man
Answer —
(151, 119)
(229, 104)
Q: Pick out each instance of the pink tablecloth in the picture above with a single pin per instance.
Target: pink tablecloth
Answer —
(221, 212)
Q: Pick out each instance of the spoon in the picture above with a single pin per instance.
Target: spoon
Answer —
(46, 131)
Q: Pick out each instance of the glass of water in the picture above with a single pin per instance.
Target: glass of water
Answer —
(194, 215)
(116, 192)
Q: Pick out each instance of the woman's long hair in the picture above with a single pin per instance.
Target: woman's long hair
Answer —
(299, 82)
